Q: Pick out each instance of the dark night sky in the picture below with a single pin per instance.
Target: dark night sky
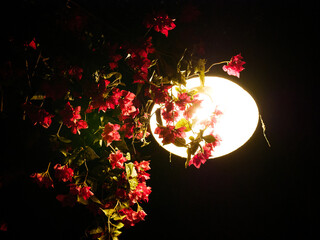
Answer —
(255, 192)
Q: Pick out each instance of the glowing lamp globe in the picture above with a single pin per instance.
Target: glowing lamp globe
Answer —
(236, 124)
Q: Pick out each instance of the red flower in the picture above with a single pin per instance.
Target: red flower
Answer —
(169, 133)
(38, 115)
(234, 66)
(141, 192)
(67, 199)
(114, 63)
(75, 72)
(202, 156)
(117, 159)
(85, 192)
(71, 118)
(132, 217)
(169, 114)
(110, 133)
(161, 23)
(32, 44)
(63, 173)
(42, 179)
(141, 169)
(159, 94)
(183, 100)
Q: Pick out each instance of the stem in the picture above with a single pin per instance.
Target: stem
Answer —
(47, 171)
(58, 132)
(112, 148)
(85, 164)
(214, 64)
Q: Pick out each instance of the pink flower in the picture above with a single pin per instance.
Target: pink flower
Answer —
(202, 156)
(117, 159)
(132, 217)
(141, 192)
(71, 118)
(63, 173)
(110, 133)
(141, 169)
(161, 23)
(85, 192)
(234, 67)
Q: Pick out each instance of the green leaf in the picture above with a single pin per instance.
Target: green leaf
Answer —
(180, 142)
(63, 139)
(209, 138)
(108, 212)
(130, 170)
(90, 154)
(96, 230)
(183, 123)
(133, 182)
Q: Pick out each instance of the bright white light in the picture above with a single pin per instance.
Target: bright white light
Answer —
(235, 126)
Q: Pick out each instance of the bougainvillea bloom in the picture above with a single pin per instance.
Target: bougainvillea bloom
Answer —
(141, 192)
(169, 133)
(117, 159)
(110, 133)
(38, 115)
(71, 118)
(202, 156)
(75, 72)
(234, 66)
(141, 169)
(160, 23)
(42, 179)
(132, 217)
(85, 192)
(63, 173)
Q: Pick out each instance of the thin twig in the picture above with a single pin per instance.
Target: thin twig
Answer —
(264, 130)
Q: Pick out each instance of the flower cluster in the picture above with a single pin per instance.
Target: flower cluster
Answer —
(72, 119)
(38, 115)
(160, 22)
(234, 66)
(98, 169)
(138, 60)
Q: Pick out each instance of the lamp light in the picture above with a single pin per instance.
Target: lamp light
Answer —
(235, 125)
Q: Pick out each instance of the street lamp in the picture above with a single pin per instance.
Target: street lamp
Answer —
(235, 125)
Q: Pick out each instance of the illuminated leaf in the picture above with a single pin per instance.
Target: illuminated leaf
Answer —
(183, 123)
(180, 142)
(209, 138)
(158, 116)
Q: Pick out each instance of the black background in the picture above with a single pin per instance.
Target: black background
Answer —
(256, 192)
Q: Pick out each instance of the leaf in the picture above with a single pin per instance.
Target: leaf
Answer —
(96, 230)
(183, 123)
(180, 142)
(63, 139)
(133, 182)
(90, 154)
(108, 212)
(82, 201)
(158, 116)
(209, 138)
(95, 199)
(130, 170)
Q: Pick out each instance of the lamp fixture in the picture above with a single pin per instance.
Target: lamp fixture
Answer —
(234, 126)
